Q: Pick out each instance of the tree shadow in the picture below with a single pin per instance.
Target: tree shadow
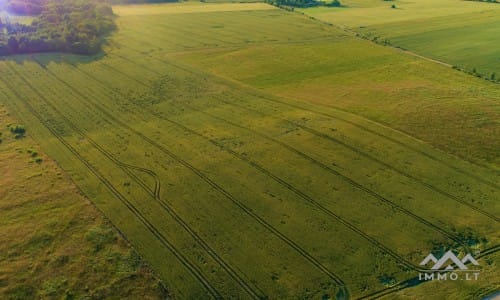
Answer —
(46, 58)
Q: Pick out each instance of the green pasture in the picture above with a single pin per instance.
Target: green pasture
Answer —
(461, 33)
(255, 153)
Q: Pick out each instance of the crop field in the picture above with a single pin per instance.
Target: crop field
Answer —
(461, 33)
(234, 149)
(53, 242)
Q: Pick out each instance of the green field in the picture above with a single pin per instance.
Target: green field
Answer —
(250, 152)
(461, 33)
(54, 243)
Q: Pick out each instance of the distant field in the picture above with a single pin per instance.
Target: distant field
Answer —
(461, 33)
(223, 144)
(188, 7)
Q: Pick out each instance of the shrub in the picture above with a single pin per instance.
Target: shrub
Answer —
(335, 3)
(38, 160)
(393, 6)
(18, 129)
(32, 152)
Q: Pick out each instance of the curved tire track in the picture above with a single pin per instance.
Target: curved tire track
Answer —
(303, 195)
(151, 228)
(155, 193)
(219, 189)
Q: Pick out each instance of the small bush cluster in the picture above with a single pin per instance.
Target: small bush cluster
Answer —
(34, 155)
(474, 72)
(18, 131)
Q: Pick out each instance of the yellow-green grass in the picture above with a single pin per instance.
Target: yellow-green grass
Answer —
(54, 244)
(15, 18)
(232, 191)
(355, 13)
(461, 33)
(188, 7)
(452, 112)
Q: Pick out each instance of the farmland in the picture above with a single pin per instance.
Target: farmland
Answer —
(54, 242)
(250, 152)
(461, 33)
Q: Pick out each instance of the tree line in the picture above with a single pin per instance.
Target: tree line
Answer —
(77, 26)
(73, 26)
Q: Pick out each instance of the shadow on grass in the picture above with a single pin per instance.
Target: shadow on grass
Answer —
(47, 58)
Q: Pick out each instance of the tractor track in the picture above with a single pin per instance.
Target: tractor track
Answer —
(372, 158)
(222, 191)
(131, 207)
(262, 95)
(361, 153)
(300, 193)
(408, 283)
(155, 193)
(325, 167)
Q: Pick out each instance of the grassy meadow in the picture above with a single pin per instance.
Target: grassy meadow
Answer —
(249, 152)
(461, 33)
(54, 243)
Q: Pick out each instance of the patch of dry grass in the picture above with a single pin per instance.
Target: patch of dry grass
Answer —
(53, 241)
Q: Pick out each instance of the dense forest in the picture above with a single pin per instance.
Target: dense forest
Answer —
(75, 26)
